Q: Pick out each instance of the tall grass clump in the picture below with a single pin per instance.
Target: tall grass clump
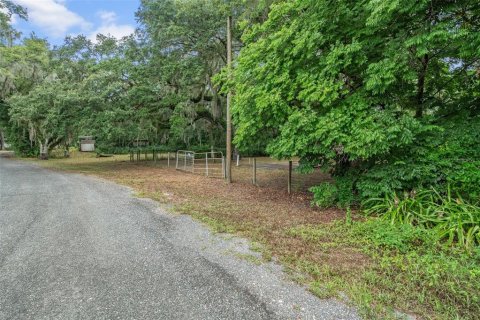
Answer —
(454, 220)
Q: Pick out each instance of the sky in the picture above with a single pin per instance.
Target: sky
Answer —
(56, 19)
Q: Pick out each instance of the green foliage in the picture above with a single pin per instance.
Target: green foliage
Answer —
(22, 67)
(155, 85)
(385, 94)
(346, 196)
(19, 141)
(7, 33)
(330, 194)
(442, 281)
(325, 195)
(407, 269)
(400, 237)
(348, 216)
(452, 218)
(441, 157)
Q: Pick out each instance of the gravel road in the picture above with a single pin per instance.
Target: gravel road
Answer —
(76, 247)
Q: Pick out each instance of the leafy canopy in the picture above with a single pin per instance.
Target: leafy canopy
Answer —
(358, 85)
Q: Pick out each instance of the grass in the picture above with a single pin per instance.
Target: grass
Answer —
(454, 219)
(405, 270)
(379, 268)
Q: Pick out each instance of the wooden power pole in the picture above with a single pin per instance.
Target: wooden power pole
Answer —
(229, 102)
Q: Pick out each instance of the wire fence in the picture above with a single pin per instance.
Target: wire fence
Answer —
(261, 171)
(276, 174)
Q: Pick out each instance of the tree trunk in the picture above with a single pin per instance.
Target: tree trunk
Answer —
(44, 150)
(421, 87)
(66, 152)
(2, 140)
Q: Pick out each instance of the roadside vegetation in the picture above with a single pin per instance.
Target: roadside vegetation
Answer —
(384, 269)
(382, 96)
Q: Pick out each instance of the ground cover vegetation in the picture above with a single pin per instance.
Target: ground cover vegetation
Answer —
(384, 96)
(379, 267)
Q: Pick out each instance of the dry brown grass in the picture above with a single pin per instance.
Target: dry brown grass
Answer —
(316, 246)
(263, 213)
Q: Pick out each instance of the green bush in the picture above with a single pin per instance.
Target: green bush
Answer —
(453, 219)
(464, 178)
(325, 195)
(18, 139)
(445, 156)
(345, 196)
(328, 194)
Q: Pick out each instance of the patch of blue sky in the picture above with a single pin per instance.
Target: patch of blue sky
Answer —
(56, 19)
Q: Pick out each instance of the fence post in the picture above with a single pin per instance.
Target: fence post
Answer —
(223, 167)
(168, 160)
(206, 162)
(176, 159)
(238, 159)
(290, 164)
(193, 163)
(154, 156)
(185, 162)
(254, 180)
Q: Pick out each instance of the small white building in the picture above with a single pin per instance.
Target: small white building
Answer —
(87, 144)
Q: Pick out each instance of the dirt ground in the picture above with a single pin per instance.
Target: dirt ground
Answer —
(318, 247)
(281, 226)
(265, 212)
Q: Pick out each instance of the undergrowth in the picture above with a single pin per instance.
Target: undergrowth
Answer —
(451, 218)
(380, 267)
(408, 270)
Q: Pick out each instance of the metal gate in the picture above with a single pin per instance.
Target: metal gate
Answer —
(210, 164)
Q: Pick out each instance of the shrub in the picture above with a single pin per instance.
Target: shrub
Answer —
(446, 156)
(338, 194)
(345, 193)
(453, 219)
(325, 195)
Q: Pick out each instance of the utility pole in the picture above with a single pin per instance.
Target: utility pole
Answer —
(229, 102)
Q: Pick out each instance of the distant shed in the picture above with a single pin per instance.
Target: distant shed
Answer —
(87, 143)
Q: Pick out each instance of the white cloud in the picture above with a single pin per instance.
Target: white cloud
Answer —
(107, 16)
(13, 18)
(110, 27)
(53, 17)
